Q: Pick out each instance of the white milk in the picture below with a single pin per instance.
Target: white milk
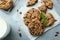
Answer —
(3, 27)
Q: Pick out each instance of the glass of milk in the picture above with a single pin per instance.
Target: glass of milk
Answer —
(4, 28)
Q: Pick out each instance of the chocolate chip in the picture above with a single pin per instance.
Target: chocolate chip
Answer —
(33, 11)
(20, 12)
(36, 1)
(55, 20)
(42, 27)
(27, 12)
(56, 35)
(20, 34)
(57, 32)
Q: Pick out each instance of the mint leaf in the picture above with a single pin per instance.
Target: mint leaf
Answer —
(43, 19)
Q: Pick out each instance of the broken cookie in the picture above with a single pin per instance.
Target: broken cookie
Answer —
(31, 2)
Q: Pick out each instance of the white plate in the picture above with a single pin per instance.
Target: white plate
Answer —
(24, 28)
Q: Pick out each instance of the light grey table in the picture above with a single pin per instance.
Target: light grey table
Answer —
(14, 25)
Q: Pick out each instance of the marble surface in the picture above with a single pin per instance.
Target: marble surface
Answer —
(8, 16)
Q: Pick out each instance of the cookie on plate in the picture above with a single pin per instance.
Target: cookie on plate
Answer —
(35, 27)
(50, 19)
(31, 14)
(48, 3)
(6, 4)
(32, 20)
(31, 2)
(42, 8)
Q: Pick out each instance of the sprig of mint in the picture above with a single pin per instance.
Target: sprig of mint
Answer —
(43, 19)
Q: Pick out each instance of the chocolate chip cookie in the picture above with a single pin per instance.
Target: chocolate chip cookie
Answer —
(35, 27)
(50, 19)
(48, 3)
(31, 14)
(42, 8)
(32, 20)
(6, 4)
(31, 2)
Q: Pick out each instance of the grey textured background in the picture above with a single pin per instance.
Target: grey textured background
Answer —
(14, 25)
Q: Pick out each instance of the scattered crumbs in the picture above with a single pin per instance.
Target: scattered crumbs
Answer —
(20, 12)
(19, 31)
(20, 34)
(17, 10)
(56, 34)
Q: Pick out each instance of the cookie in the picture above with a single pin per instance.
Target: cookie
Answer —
(35, 27)
(42, 8)
(6, 4)
(32, 20)
(31, 2)
(48, 3)
(31, 14)
(49, 19)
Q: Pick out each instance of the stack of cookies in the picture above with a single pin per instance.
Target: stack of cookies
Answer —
(32, 20)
